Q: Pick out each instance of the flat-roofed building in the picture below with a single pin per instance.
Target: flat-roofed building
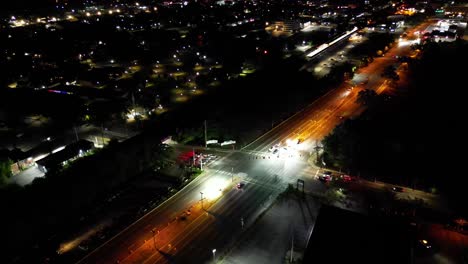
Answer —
(62, 157)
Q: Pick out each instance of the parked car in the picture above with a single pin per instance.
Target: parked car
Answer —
(325, 178)
(346, 178)
(425, 248)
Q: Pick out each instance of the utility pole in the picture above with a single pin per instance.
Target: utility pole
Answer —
(201, 199)
(154, 237)
(102, 134)
(317, 151)
(232, 174)
(133, 103)
(205, 135)
(193, 157)
(76, 133)
(412, 253)
(292, 248)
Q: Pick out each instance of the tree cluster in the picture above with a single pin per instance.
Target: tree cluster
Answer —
(414, 138)
(51, 205)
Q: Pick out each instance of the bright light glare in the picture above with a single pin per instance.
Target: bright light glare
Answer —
(58, 149)
(346, 93)
(403, 42)
(289, 152)
(214, 188)
(326, 45)
(131, 116)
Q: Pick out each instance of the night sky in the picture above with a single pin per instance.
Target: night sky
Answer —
(26, 5)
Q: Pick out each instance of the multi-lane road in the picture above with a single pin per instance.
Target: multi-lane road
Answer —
(202, 220)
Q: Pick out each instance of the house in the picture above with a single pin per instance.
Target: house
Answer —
(18, 158)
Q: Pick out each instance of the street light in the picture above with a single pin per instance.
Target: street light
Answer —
(201, 199)
(154, 238)
(214, 254)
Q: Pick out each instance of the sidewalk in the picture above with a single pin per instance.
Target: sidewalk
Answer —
(270, 238)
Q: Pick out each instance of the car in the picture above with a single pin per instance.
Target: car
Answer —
(346, 178)
(424, 243)
(275, 151)
(83, 247)
(327, 173)
(397, 189)
(325, 178)
(274, 147)
(240, 185)
(425, 248)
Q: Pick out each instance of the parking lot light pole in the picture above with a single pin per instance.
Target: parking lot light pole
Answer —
(154, 237)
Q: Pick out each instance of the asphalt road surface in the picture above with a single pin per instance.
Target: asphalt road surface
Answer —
(201, 221)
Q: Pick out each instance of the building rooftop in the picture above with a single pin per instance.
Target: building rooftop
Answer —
(67, 153)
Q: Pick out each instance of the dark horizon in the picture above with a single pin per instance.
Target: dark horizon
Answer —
(25, 5)
(32, 5)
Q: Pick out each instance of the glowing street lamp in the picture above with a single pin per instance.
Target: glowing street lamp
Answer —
(214, 254)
